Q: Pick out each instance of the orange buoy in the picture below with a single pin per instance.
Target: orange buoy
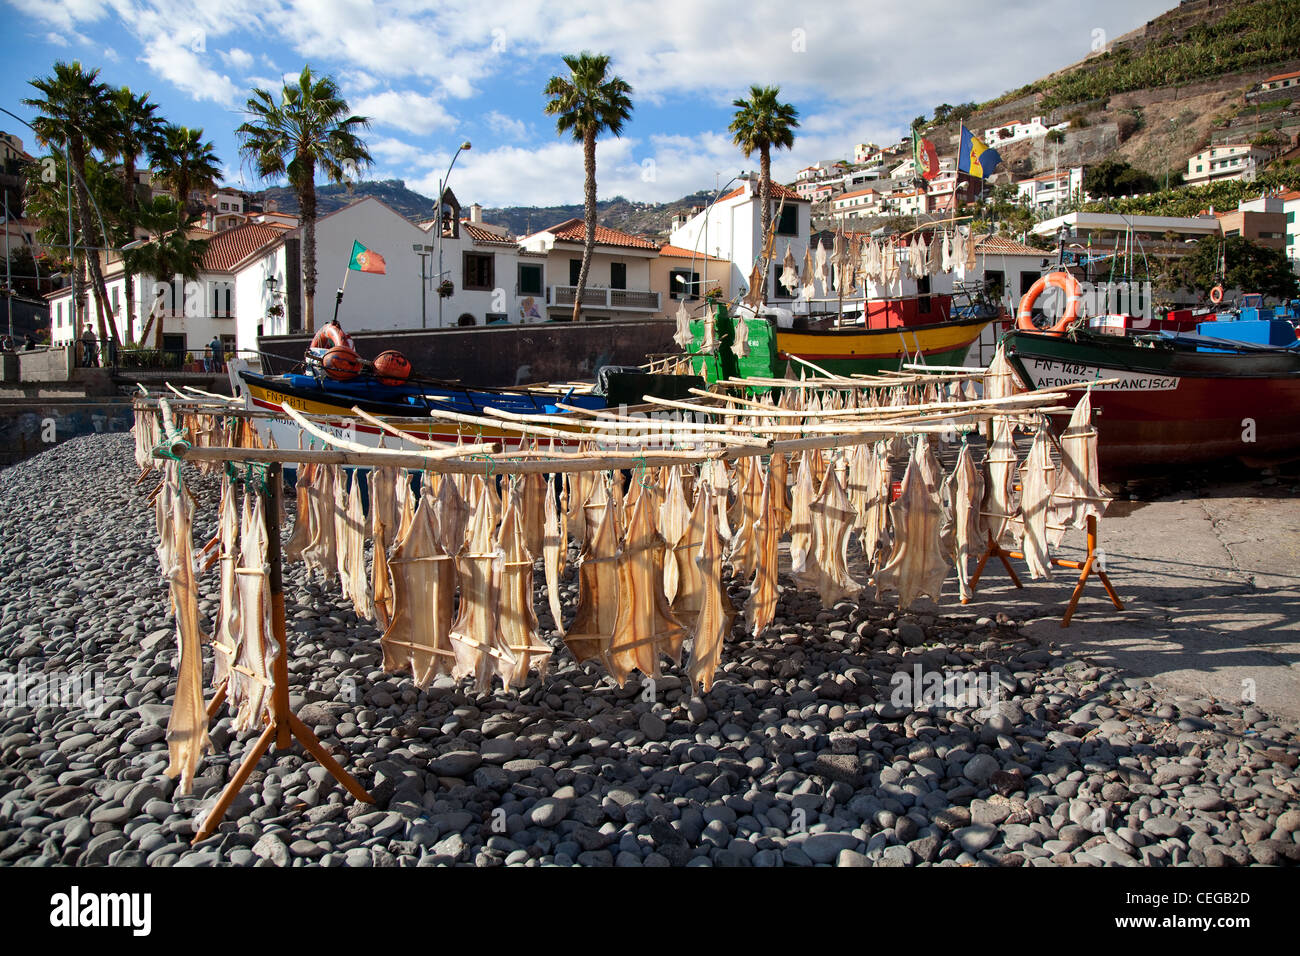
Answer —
(1216, 294)
(392, 367)
(341, 363)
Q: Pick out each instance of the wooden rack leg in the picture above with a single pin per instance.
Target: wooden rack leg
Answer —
(218, 699)
(1085, 570)
(992, 549)
(284, 724)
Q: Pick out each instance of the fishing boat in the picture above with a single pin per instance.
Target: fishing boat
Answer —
(410, 405)
(872, 336)
(1177, 398)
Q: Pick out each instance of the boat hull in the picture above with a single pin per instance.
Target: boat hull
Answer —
(868, 351)
(1172, 406)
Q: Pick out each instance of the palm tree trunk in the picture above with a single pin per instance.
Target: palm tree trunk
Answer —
(307, 202)
(589, 217)
(100, 289)
(765, 197)
(128, 169)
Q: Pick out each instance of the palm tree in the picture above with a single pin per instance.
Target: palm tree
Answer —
(761, 123)
(71, 111)
(133, 130)
(183, 163)
(586, 103)
(171, 253)
(310, 128)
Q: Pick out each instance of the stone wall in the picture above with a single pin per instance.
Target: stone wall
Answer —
(28, 428)
(502, 355)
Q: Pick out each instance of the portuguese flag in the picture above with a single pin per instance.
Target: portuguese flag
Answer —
(366, 260)
(924, 156)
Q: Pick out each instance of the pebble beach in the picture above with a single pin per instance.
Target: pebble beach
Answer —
(806, 751)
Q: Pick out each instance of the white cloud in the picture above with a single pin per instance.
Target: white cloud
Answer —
(58, 39)
(394, 151)
(506, 126)
(237, 59)
(183, 67)
(111, 55)
(61, 15)
(405, 109)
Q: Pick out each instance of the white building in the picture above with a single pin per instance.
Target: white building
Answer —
(866, 153)
(1014, 132)
(618, 279)
(1291, 208)
(1282, 81)
(856, 204)
(1227, 161)
(1052, 189)
(732, 229)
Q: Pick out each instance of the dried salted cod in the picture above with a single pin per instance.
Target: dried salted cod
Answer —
(424, 593)
(405, 505)
(808, 277)
(1000, 503)
(716, 613)
(340, 511)
(674, 517)
(916, 565)
(965, 491)
(593, 622)
(302, 532)
(250, 694)
(760, 609)
(516, 621)
(749, 498)
(225, 636)
(1037, 481)
(740, 342)
(452, 518)
(353, 548)
(683, 335)
(832, 520)
(689, 596)
(802, 558)
(474, 635)
(644, 627)
(384, 518)
(873, 516)
(1078, 493)
(321, 554)
(947, 262)
(187, 728)
(553, 552)
(778, 470)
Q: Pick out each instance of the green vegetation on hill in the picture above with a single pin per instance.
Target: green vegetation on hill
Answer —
(1244, 35)
(1191, 200)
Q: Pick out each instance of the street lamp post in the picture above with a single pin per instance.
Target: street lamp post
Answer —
(422, 250)
(442, 189)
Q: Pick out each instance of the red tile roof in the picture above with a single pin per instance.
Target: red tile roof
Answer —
(1282, 76)
(857, 192)
(1002, 246)
(479, 234)
(778, 192)
(575, 230)
(227, 249)
(678, 252)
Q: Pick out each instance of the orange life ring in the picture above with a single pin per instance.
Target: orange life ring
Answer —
(1216, 294)
(331, 337)
(1073, 296)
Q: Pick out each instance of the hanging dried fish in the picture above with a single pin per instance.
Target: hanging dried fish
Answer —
(683, 334)
(674, 516)
(789, 272)
(916, 565)
(593, 621)
(749, 497)
(809, 287)
(689, 594)
(424, 592)
(873, 514)
(303, 532)
(964, 491)
(516, 621)
(321, 554)
(352, 547)
(384, 517)
(644, 627)
(225, 636)
(778, 471)
(474, 636)
(832, 519)
(740, 342)
(802, 557)
(250, 695)
(1078, 492)
(1037, 482)
(187, 728)
(717, 613)
(452, 516)
(1000, 503)
(760, 609)
(553, 552)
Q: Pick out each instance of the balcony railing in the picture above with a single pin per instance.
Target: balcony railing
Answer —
(624, 299)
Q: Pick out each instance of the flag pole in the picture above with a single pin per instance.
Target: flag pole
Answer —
(338, 297)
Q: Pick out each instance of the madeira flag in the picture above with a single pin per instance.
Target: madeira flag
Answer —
(975, 158)
(366, 260)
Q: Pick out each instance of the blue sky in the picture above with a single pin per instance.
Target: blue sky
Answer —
(431, 75)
